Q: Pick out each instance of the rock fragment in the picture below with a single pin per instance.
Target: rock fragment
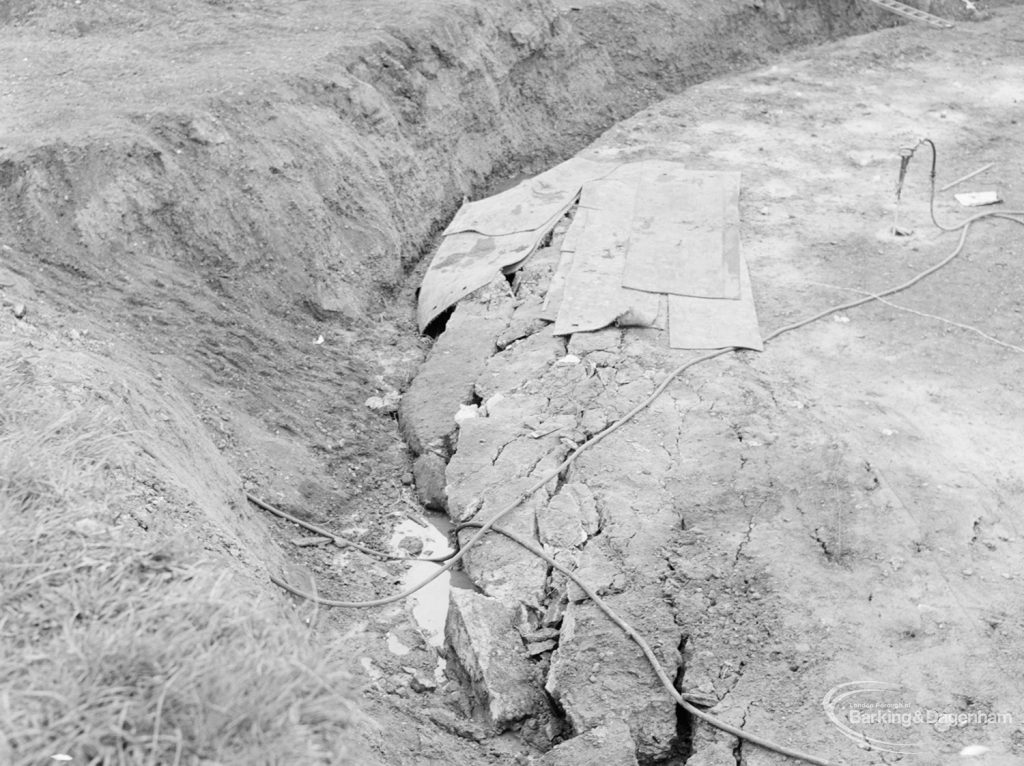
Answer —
(428, 472)
(533, 650)
(569, 518)
(598, 677)
(485, 652)
(422, 682)
(497, 564)
(445, 382)
(609, 745)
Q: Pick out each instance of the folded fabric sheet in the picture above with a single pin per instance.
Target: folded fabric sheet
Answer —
(685, 234)
(706, 323)
(593, 295)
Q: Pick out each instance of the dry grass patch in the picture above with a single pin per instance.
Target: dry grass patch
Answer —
(120, 649)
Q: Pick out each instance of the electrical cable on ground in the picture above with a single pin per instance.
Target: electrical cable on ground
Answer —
(652, 658)
(555, 472)
(341, 542)
(485, 527)
(924, 314)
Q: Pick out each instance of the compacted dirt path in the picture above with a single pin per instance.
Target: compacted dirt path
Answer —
(840, 513)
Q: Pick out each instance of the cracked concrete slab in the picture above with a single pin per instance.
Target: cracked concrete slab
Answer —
(446, 380)
(482, 642)
(816, 514)
(497, 565)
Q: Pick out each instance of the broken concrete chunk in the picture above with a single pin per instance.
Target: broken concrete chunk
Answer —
(598, 570)
(528, 35)
(542, 634)
(516, 406)
(599, 676)
(609, 745)
(428, 472)
(422, 682)
(587, 505)
(445, 382)
(712, 747)
(549, 465)
(465, 412)
(560, 523)
(472, 470)
(518, 456)
(489, 658)
(569, 360)
(554, 612)
(533, 650)
(526, 321)
(606, 339)
(525, 360)
(493, 451)
(498, 565)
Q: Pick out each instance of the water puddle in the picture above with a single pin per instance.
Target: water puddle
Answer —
(429, 605)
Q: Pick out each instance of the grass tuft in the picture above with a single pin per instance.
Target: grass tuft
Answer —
(126, 650)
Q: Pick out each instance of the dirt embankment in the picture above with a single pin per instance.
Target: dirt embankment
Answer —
(314, 184)
(213, 201)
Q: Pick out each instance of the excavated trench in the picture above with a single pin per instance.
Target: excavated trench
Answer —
(257, 248)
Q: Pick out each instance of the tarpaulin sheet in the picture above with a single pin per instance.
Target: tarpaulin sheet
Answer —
(684, 239)
(706, 323)
(498, 233)
(466, 262)
(594, 296)
(643, 229)
(556, 288)
(532, 203)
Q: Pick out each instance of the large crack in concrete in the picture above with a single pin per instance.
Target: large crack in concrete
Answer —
(540, 397)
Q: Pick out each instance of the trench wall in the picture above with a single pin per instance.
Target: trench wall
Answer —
(318, 190)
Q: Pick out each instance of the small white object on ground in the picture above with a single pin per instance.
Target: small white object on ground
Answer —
(972, 751)
(466, 411)
(977, 199)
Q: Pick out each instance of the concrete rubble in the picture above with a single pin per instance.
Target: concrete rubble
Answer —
(609, 745)
(485, 651)
(538, 397)
(769, 522)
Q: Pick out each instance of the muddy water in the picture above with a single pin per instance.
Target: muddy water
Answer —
(429, 605)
